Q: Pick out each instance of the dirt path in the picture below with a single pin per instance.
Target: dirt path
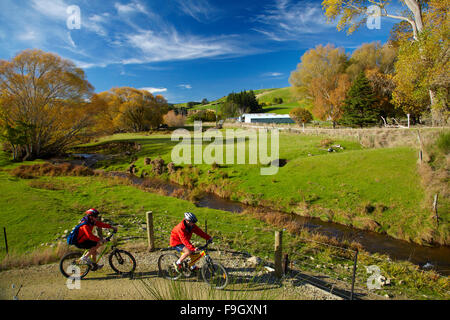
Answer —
(247, 282)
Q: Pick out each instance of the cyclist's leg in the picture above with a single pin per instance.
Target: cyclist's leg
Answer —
(91, 246)
(185, 253)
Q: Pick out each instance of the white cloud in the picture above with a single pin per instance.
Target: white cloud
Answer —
(185, 86)
(69, 38)
(134, 7)
(286, 20)
(200, 10)
(272, 74)
(96, 23)
(154, 90)
(170, 45)
(111, 34)
(55, 9)
(29, 35)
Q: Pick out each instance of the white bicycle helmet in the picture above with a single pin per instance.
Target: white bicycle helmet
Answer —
(190, 217)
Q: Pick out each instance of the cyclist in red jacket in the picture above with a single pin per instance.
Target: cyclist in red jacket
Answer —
(181, 235)
(87, 240)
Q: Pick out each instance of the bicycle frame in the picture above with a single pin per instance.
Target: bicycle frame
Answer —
(107, 245)
(196, 256)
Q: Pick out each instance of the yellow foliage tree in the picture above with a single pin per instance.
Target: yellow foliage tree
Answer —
(43, 103)
(129, 109)
(320, 79)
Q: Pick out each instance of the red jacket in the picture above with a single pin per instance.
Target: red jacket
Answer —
(85, 232)
(181, 235)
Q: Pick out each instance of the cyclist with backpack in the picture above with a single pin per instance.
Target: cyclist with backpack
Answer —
(181, 235)
(83, 238)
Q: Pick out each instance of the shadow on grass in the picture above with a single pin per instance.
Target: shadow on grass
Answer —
(325, 283)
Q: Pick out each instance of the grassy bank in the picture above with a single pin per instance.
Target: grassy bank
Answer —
(374, 189)
(56, 203)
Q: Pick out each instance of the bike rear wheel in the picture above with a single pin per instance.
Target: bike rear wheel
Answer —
(122, 262)
(70, 265)
(166, 268)
(215, 275)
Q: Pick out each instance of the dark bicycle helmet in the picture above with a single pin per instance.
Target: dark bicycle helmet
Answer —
(190, 217)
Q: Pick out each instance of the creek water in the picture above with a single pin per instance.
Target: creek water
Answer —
(437, 258)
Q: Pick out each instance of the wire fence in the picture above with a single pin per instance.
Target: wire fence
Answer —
(342, 271)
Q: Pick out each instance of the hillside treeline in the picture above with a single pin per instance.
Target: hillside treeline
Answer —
(47, 105)
(407, 75)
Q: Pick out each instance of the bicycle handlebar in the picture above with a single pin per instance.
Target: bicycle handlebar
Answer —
(110, 236)
(206, 245)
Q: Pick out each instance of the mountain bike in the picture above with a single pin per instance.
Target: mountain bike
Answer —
(121, 261)
(212, 272)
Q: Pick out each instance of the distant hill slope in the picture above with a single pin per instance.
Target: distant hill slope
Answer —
(264, 96)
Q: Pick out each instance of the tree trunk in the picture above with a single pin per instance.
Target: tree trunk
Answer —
(416, 10)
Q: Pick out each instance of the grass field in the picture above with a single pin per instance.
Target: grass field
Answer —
(263, 96)
(333, 186)
(374, 189)
(55, 204)
(268, 96)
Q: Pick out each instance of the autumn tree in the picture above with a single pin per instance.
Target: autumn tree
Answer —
(353, 14)
(301, 115)
(370, 56)
(43, 104)
(174, 120)
(319, 79)
(422, 81)
(128, 109)
(421, 17)
(377, 62)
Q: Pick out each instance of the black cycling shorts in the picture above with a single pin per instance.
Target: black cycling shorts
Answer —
(87, 244)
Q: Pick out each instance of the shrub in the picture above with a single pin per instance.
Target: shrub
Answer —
(158, 166)
(174, 120)
(301, 115)
(443, 142)
(277, 100)
(203, 115)
(326, 143)
(48, 169)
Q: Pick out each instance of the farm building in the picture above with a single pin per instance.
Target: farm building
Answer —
(265, 117)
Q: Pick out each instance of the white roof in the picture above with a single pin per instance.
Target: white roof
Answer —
(265, 115)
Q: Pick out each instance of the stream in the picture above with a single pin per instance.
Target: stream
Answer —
(437, 258)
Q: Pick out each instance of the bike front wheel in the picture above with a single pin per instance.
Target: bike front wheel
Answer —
(71, 266)
(166, 266)
(215, 275)
(122, 262)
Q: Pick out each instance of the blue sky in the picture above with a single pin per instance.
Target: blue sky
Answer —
(186, 50)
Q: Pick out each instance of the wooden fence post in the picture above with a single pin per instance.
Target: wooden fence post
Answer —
(150, 233)
(6, 240)
(278, 253)
(355, 264)
(286, 264)
(435, 208)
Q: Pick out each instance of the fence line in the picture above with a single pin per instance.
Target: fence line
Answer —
(352, 271)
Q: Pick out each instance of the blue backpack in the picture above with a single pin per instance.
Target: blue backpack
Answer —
(72, 238)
